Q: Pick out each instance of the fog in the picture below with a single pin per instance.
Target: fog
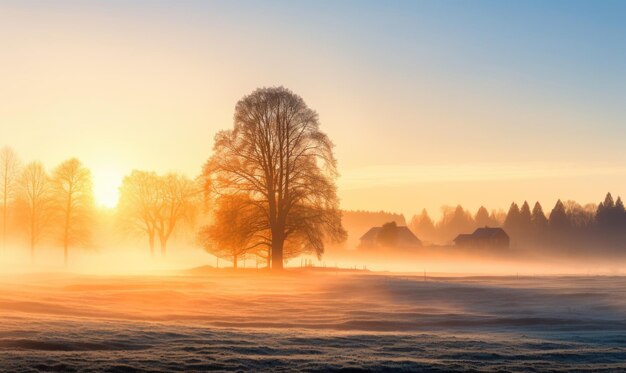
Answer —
(207, 319)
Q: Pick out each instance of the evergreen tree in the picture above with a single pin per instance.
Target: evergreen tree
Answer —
(538, 217)
(558, 220)
(525, 220)
(512, 221)
(482, 218)
(608, 201)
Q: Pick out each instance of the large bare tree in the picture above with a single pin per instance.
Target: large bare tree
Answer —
(9, 174)
(139, 203)
(156, 205)
(177, 203)
(74, 200)
(35, 194)
(277, 157)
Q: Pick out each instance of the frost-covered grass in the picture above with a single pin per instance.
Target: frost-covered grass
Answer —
(311, 321)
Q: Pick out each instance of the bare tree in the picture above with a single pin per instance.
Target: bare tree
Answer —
(237, 230)
(139, 203)
(73, 194)
(177, 202)
(9, 173)
(278, 158)
(35, 193)
(156, 205)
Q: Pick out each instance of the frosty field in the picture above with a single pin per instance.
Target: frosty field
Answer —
(311, 321)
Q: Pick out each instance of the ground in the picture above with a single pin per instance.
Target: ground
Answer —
(303, 320)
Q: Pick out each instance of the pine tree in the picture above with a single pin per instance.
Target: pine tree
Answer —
(558, 220)
(482, 218)
(538, 217)
(512, 220)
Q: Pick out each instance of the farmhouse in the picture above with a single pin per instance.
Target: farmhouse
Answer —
(389, 235)
(484, 237)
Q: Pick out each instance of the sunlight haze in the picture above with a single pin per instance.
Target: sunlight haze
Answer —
(412, 96)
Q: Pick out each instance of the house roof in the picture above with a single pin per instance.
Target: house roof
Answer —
(488, 232)
(371, 234)
(483, 233)
(404, 235)
(463, 236)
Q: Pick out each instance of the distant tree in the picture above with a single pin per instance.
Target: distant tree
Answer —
(9, 174)
(72, 187)
(279, 159)
(610, 220)
(525, 215)
(608, 201)
(538, 217)
(512, 223)
(620, 212)
(498, 216)
(579, 217)
(482, 218)
(178, 197)
(35, 194)
(454, 221)
(558, 220)
(236, 231)
(539, 222)
(139, 203)
(422, 225)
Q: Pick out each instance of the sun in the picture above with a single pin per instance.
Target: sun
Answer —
(107, 181)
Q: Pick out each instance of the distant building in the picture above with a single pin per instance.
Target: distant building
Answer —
(484, 237)
(389, 235)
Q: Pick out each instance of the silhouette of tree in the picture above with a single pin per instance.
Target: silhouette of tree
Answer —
(35, 194)
(236, 231)
(538, 217)
(177, 202)
(512, 222)
(608, 201)
(483, 219)
(277, 157)
(539, 224)
(620, 212)
(73, 195)
(453, 222)
(423, 227)
(139, 204)
(156, 205)
(525, 215)
(9, 175)
(558, 220)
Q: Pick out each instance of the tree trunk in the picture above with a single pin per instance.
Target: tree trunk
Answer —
(151, 239)
(163, 242)
(32, 251)
(4, 218)
(32, 237)
(66, 232)
(277, 253)
(65, 254)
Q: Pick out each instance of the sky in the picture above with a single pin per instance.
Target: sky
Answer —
(429, 103)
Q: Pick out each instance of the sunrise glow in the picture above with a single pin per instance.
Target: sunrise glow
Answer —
(312, 185)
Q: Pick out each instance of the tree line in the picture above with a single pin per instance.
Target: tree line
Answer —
(567, 225)
(268, 191)
(37, 203)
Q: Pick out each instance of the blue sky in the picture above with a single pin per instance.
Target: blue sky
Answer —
(430, 91)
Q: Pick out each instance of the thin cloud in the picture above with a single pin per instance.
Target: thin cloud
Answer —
(402, 175)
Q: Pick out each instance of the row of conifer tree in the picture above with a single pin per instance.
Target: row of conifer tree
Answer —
(568, 224)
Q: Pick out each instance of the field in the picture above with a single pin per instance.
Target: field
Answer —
(306, 320)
